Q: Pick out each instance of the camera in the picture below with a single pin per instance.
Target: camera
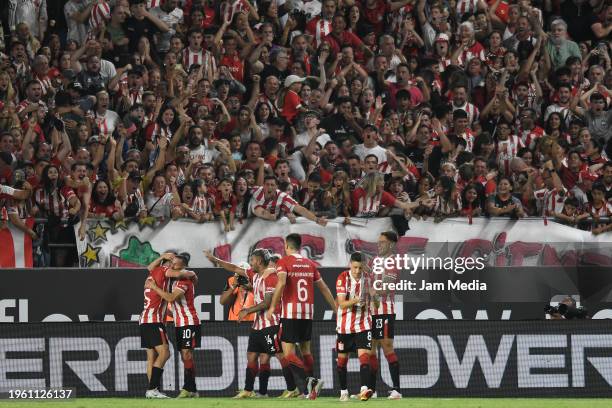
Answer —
(567, 311)
(242, 280)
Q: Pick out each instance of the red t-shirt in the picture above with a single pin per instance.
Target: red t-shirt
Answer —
(225, 204)
(376, 15)
(502, 10)
(106, 210)
(291, 105)
(346, 38)
(235, 66)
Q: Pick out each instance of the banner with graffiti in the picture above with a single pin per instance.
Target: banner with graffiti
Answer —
(503, 242)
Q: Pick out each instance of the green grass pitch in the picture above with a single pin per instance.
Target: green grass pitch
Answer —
(319, 403)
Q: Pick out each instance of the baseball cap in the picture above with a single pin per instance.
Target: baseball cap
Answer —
(292, 79)
(312, 112)
(442, 37)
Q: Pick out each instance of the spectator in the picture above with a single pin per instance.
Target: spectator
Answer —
(207, 95)
(269, 203)
(504, 204)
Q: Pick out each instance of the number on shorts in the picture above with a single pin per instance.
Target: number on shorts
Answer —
(302, 290)
(379, 323)
(269, 339)
(187, 334)
(369, 335)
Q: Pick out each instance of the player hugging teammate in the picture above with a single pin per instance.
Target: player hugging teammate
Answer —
(168, 281)
(353, 325)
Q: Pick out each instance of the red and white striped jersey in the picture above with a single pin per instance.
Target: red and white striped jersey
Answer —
(506, 151)
(263, 285)
(365, 206)
(471, 110)
(443, 206)
(53, 202)
(154, 130)
(398, 17)
(201, 57)
(549, 201)
(298, 294)
(356, 318)
(134, 95)
(604, 211)
(529, 138)
(444, 63)
(475, 51)
(100, 13)
(319, 28)
(279, 202)
(183, 308)
(469, 138)
(386, 299)
(202, 204)
(25, 103)
(466, 7)
(154, 306)
(45, 83)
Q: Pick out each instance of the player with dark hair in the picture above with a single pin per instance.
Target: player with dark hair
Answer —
(297, 277)
(383, 316)
(353, 325)
(263, 338)
(186, 321)
(153, 334)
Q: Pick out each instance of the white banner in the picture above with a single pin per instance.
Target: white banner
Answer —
(505, 242)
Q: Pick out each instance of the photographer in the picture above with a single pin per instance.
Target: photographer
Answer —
(238, 295)
(566, 309)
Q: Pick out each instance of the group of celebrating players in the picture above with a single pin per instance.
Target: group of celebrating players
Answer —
(283, 292)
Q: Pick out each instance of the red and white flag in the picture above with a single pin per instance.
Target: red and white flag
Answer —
(16, 247)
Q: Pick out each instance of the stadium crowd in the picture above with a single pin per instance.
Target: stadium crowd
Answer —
(218, 110)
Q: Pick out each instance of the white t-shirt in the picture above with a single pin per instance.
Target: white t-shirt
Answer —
(379, 152)
(203, 153)
(302, 139)
(163, 207)
(107, 70)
